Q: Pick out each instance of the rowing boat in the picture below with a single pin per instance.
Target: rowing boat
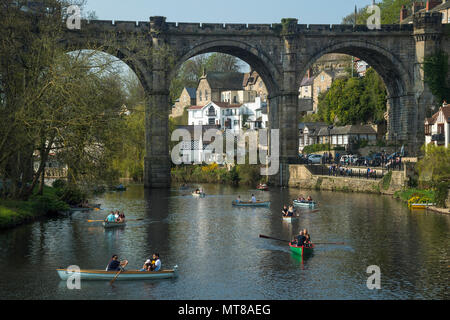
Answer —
(301, 251)
(113, 224)
(200, 195)
(421, 205)
(251, 204)
(263, 187)
(124, 275)
(304, 203)
(289, 218)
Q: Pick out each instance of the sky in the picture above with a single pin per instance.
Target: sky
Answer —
(226, 11)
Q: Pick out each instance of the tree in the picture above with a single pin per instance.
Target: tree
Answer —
(354, 100)
(390, 12)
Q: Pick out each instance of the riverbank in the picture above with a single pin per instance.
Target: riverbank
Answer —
(15, 212)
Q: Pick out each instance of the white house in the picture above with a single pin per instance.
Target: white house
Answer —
(437, 128)
(230, 116)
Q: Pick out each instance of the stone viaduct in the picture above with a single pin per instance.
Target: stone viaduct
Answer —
(281, 54)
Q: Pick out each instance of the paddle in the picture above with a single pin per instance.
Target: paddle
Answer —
(125, 220)
(272, 238)
(115, 277)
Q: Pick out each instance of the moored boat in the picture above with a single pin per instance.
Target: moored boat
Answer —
(302, 250)
(124, 275)
(113, 224)
(251, 204)
(305, 203)
(262, 187)
(199, 195)
(421, 205)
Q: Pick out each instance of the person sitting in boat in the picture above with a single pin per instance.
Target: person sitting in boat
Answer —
(299, 240)
(111, 217)
(238, 200)
(307, 242)
(309, 199)
(148, 265)
(285, 211)
(301, 199)
(115, 264)
(197, 191)
(116, 216)
(253, 198)
(291, 211)
(306, 234)
(157, 264)
(121, 217)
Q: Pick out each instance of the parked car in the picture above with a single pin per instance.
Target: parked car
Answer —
(315, 158)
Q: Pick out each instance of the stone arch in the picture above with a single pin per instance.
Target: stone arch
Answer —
(257, 59)
(391, 69)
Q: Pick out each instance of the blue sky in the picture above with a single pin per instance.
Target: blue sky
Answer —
(227, 11)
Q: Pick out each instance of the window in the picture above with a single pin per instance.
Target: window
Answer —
(235, 99)
(200, 96)
(236, 122)
(322, 78)
(206, 95)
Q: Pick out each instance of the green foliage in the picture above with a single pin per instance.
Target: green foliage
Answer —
(390, 12)
(434, 167)
(407, 194)
(441, 193)
(239, 174)
(316, 148)
(354, 100)
(71, 194)
(59, 184)
(436, 70)
(386, 181)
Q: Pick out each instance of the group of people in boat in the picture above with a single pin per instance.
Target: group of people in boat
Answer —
(252, 200)
(198, 191)
(117, 216)
(302, 199)
(151, 264)
(303, 239)
(288, 212)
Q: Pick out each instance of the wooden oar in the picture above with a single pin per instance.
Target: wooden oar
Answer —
(272, 238)
(115, 277)
(126, 220)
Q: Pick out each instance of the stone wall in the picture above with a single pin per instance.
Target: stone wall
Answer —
(300, 177)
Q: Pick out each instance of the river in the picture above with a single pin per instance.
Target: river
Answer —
(219, 252)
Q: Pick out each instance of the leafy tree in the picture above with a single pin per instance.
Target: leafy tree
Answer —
(436, 70)
(354, 100)
(390, 12)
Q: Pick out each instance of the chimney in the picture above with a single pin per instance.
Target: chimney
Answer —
(403, 13)
(417, 6)
(432, 4)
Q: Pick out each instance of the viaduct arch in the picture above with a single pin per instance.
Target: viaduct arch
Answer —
(281, 53)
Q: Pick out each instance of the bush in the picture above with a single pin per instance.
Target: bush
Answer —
(72, 195)
(440, 194)
(59, 184)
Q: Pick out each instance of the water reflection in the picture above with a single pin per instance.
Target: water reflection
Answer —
(219, 252)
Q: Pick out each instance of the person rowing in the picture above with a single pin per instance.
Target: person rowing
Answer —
(309, 199)
(299, 240)
(291, 211)
(253, 198)
(285, 211)
(115, 264)
(111, 217)
(121, 218)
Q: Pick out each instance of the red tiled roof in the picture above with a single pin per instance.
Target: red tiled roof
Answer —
(195, 107)
(227, 105)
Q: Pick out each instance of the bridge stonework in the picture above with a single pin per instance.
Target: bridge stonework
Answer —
(281, 54)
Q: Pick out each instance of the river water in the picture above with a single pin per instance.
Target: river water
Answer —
(220, 255)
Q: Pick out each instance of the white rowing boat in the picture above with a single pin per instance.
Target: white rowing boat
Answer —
(309, 204)
(124, 275)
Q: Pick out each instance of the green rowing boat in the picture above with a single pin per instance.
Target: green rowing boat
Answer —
(301, 251)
